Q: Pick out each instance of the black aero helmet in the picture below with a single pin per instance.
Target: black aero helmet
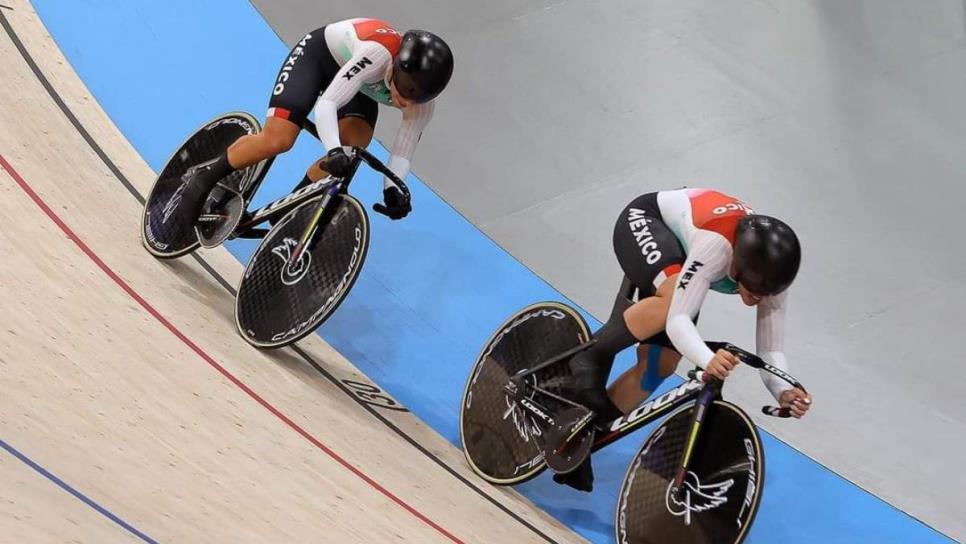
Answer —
(767, 254)
(423, 66)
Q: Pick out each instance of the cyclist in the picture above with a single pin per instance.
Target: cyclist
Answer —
(341, 72)
(675, 246)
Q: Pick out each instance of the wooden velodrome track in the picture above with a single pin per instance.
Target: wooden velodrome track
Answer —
(129, 408)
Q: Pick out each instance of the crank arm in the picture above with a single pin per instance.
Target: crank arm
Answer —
(554, 396)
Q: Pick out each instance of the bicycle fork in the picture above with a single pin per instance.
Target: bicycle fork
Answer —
(313, 226)
(700, 410)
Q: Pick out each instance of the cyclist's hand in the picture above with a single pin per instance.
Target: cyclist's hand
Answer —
(722, 364)
(797, 400)
(397, 204)
(337, 162)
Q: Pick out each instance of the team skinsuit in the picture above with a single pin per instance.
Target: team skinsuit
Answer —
(343, 70)
(693, 233)
(350, 63)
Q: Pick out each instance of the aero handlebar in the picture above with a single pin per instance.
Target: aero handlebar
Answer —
(754, 361)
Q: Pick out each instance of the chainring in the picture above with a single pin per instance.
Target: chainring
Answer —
(563, 455)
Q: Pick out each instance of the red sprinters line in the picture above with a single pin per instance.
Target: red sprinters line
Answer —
(208, 359)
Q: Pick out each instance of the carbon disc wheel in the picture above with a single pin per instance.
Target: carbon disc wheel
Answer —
(722, 488)
(167, 231)
(280, 302)
(501, 442)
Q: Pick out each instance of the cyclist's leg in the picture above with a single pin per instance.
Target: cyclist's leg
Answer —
(304, 72)
(651, 257)
(357, 123)
(277, 137)
(655, 362)
(590, 369)
(656, 357)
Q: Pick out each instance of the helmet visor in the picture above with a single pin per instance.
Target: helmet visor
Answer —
(408, 89)
(759, 284)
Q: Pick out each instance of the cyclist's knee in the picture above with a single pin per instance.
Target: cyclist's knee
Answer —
(277, 137)
(276, 144)
(355, 131)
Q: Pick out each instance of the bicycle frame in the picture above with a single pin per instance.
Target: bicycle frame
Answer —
(694, 390)
(329, 187)
(654, 409)
(644, 414)
(278, 208)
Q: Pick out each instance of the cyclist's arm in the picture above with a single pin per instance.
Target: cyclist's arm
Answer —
(770, 340)
(415, 119)
(708, 259)
(367, 65)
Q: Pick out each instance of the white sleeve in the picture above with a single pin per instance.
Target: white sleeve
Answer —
(415, 119)
(367, 65)
(770, 340)
(708, 259)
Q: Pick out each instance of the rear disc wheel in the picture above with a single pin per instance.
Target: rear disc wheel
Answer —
(167, 229)
(501, 441)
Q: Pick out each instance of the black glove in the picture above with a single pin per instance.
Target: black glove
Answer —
(337, 163)
(397, 203)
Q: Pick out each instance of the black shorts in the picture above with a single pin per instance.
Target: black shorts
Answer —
(306, 72)
(647, 250)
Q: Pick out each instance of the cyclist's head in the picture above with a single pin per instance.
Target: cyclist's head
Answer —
(767, 254)
(423, 66)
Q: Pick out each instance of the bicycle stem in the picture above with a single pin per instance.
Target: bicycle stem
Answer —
(755, 361)
(373, 162)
